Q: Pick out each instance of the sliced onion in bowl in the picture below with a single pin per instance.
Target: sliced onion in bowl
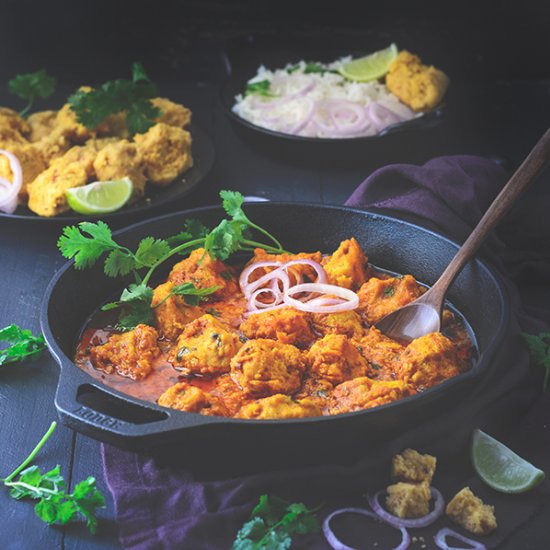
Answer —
(9, 191)
(350, 300)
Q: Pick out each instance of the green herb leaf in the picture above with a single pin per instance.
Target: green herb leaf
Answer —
(313, 67)
(151, 250)
(192, 295)
(86, 250)
(24, 345)
(55, 505)
(272, 522)
(260, 88)
(539, 349)
(32, 85)
(135, 302)
(129, 96)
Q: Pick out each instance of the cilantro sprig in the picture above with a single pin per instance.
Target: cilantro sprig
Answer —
(24, 345)
(31, 86)
(539, 348)
(272, 523)
(55, 504)
(89, 241)
(129, 96)
(261, 87)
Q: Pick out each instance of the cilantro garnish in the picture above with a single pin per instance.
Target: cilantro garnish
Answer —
(24, 345)
(272, 523)
(30, 86)
(55, 504)
(129, 96)
(89, 241)
(261, 88)
(539, 348)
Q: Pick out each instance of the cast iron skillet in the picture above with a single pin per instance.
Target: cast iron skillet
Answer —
(98, 411)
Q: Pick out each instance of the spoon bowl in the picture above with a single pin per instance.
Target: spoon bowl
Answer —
(423, 315)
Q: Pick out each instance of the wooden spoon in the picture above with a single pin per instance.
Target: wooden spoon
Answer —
(424, 314)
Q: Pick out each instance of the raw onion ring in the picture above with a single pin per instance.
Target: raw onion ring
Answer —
(350, 298)
(440, 540)
(9, 191)
(382, 116)
(424, 521)
(335, 542)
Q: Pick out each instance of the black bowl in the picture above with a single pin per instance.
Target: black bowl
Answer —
(101, 412)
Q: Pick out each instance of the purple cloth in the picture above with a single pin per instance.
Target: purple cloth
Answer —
(163, 506)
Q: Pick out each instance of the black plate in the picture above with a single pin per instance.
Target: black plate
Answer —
(203, 157)
(242, 63)
(87, 405)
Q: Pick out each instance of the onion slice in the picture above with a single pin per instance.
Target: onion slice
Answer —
(428, 519)
(349, 299)
(9, 191)
(440, 540)
(337, 544)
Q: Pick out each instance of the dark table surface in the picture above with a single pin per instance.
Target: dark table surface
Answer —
(498, 117)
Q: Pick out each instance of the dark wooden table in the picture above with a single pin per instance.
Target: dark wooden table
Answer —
(501, 118)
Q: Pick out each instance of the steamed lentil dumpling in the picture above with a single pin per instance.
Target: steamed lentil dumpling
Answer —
(428, 360)
(365, 393)
(378, 297)
(347, 266)
(336, 359)
(166, 152)
(12, 120)
(381, 352)
(41, 124)
(31, 161)
(206, 346)
(130, 354)
(204, 272)
(67, 123)
(279, 406)
(287, 325)
(343, 322)
(53, 145)
(172, 114)
(264, 367)
(172, 313)
(184, 397)
(47, 192)
(119, 160)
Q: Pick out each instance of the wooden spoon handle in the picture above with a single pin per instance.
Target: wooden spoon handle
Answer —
(522, 177)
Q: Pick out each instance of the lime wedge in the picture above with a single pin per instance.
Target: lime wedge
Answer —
(100, 197)
(370, 67)
(500, 467)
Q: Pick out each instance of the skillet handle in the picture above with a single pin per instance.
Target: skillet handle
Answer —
(102, 413)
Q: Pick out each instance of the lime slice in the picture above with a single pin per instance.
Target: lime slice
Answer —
(500, 467)
(370, 67)
(100, 197)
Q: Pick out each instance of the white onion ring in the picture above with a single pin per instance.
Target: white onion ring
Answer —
(335, 542)
(9, 191)
(245, 275)
(351, 299)
(381, 116)
(424, 521)
(441, 542)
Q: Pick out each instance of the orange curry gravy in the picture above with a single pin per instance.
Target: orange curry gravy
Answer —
(286, 363)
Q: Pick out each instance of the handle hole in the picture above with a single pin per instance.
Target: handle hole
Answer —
(103, 402)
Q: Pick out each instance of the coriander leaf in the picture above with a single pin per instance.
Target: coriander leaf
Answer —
(136, 313)
(192, 295)
(312, 67)
(539, 349)
(232, 202)
(224, 239)
(129, 96)
(260, 88)
(119, 262)
(32, 85)
(54, 504)
(254, 529)
(24, 345)
(151, 250)
(138, 73)
(137, 292)
(86, 250)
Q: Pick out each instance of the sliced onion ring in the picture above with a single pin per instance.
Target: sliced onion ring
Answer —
(10, 191)
(350, 298)
(440, 540)
(428, 519)
(335, 542)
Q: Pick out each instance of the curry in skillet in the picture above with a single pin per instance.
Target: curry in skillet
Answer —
(283, 336)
